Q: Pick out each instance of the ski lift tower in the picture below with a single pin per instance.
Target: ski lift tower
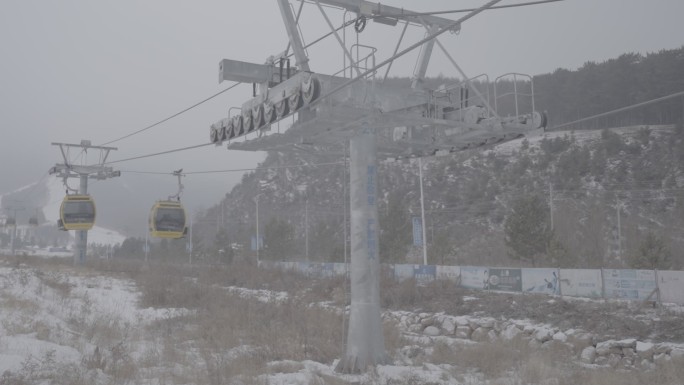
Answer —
(376, 118)
(97, 171)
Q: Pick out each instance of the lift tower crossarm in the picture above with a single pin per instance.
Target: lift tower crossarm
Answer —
(367, 8)
(301, 60)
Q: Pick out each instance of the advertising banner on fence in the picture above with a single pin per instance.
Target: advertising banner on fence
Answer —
(424, 273)
(450, 273)
(581, 283)
(540, 280)
(505, 279)
(628, 284)
(671, 286)
(402, 272)
(473, 277)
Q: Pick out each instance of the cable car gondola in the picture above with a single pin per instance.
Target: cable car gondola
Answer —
(77, 212)
(167, 220)
(167, 217)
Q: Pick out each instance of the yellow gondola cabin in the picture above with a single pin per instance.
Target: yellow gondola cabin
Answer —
(167, 220)
(77, 212)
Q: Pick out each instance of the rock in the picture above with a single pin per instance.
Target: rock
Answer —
(628, 343)
(480, 335)
(554, 345)
(431, 331)
(529, 329)
(487, 323)
(662, 349)
(601, 360)
(428, 321)
(461, 321)
(534, 344)
(627, 362)
(581, 340)
(510, 333)
(608, 347)
(415, 328)
(628, 352)
(560, 336)
(677, 356)
(645, 350)
(646, 365)
(463, 332)
(412, 351)
(614, 360)
(492, 335)
(544, 334)
(588, 355)
(473, 323)
(448, 326)
(661, 359)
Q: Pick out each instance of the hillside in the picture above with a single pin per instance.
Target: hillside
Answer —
(626, 168)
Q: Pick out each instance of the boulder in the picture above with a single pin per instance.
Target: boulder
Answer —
(448, 326)
(588, 355)
(661, 359)
(488, 323)
(480, 335)
(645, 350)
(431, 331)
(463, 332)
(581, 340)
(427, 321)
(560, 336)
(614, 360)
(492, 335)
(608, 347)
(677, 356)
(544, 334)
(461, 321)
(627, 343)
(510, 333)
(662, 349)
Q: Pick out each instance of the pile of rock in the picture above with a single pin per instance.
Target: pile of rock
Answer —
(627, 353)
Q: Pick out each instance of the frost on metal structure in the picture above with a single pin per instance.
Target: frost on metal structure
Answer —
(97, 171)
(377, 118)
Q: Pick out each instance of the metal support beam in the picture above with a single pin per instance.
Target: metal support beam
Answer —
(424, 59)
(81, 235)
(365, 341)
(293, 34)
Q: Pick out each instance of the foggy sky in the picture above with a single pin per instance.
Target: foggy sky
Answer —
(80, 69)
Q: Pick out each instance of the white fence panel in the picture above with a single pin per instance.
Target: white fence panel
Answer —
(540, 280)
(671, 286)
(473, 277)
(581, 283)
(450, 273)
(628, 284)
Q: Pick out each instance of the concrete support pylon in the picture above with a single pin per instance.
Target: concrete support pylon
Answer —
(365, 340)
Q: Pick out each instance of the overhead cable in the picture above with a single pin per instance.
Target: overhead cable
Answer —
(173, 116)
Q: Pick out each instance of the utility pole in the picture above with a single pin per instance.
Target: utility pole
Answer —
(97, 171)
(256, 243)
(619, 234)
(422, 210)
(306, 226)
(551, 203)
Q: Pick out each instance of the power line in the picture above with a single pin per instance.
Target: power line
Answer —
(174, 115)
(161, 153)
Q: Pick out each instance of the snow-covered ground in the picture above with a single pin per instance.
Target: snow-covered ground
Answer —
(60, 324)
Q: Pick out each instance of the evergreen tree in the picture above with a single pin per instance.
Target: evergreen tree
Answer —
(652, 254)
(527, 230)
